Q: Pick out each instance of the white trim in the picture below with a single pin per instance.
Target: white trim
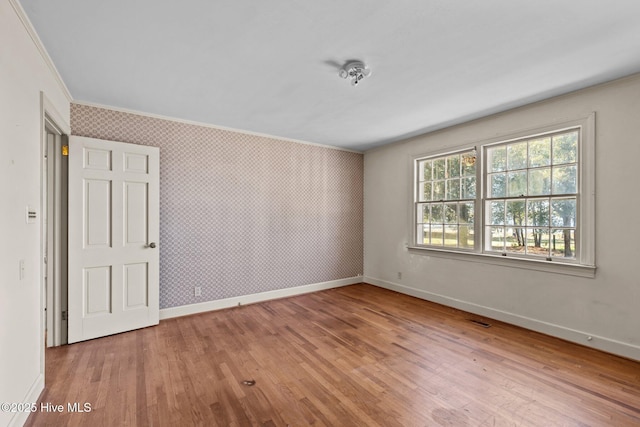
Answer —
(579, 337)
(185, 310)
(209, 125)
(572, 269)
(47, 109)
(48, 114)
(20, 418)
(17, 7)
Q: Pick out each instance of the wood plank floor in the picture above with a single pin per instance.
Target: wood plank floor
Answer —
(352, 356)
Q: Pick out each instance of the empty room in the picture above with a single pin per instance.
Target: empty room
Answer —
(236, 213)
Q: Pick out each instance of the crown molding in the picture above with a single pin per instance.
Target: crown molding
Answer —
(17, 7)
(208, 125)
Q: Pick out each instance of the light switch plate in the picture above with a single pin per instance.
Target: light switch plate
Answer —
(30, 215)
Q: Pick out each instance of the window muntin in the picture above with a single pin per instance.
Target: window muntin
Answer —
(445, 207)
(532, 192)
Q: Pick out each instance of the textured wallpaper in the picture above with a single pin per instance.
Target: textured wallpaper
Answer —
(242, 214)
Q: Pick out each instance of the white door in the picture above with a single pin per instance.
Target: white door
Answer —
(113, 235)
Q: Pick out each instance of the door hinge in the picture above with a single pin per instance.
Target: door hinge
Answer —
(64, 315)
(65, 150)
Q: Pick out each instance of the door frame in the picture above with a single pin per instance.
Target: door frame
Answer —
(53, 236)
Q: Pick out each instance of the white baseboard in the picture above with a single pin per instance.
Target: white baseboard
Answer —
(185, 310)
(19, 418)
(580, 337)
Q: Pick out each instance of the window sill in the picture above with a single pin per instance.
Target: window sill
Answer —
(514, 262)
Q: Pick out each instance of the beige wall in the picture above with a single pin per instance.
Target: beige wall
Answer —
(23, 75)
(242, 214)
(605, 307)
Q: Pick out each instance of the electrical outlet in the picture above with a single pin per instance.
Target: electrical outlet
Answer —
(22, 269)
(400, 275)
(197, 291)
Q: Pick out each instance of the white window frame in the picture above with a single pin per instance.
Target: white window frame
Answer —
(584, 264)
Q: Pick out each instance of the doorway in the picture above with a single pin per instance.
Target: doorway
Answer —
(54, 232)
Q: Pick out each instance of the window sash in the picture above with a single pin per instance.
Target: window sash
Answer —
(443, 185)
(530, 227)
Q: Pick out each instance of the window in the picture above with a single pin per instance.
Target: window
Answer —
(525, 197)
(446, 200)
(531, 195)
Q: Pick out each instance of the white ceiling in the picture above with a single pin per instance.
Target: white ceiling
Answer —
(271, 67)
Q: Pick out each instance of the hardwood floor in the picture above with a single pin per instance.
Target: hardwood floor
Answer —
(357, 355)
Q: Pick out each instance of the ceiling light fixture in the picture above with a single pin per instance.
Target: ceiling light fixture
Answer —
(355, 70)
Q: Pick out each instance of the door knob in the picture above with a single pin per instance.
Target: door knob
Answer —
(152, 245)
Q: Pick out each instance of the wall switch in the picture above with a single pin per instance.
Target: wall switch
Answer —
(197, 291)
(30, 215)
(22, 269)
